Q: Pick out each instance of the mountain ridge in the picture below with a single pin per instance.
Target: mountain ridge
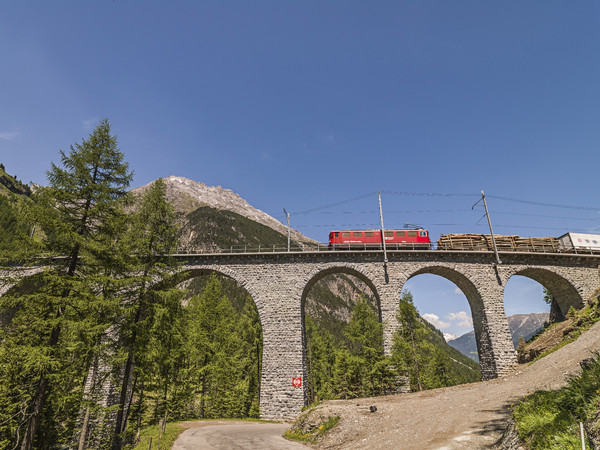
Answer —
(525, 325)
(188, 195)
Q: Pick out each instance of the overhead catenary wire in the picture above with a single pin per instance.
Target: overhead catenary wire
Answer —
(331, 205)
(328, 210)
(552, 205)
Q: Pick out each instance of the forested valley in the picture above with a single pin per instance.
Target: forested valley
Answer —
(106, 340)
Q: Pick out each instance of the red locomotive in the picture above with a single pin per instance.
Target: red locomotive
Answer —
(371, 239)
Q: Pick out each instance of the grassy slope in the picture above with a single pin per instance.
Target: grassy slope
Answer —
(549, 419)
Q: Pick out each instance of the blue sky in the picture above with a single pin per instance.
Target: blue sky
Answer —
(314, 106)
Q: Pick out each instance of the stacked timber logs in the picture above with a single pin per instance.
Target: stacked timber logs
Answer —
(504, 243)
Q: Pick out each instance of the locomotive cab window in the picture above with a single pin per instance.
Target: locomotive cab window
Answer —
(337, 234)
(357, 234)
(412, 233)
(423, 233)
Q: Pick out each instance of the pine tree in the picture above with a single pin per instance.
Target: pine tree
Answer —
(214, 344)
(320, 352)
(439, 373)
(410, 349)
(151, 237)
(250, 356)
(365, 336)
(59, 323)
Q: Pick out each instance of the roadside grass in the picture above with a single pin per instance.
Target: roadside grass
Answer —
(550, 419)
(312, 436)
(582, 320)
(151, 433)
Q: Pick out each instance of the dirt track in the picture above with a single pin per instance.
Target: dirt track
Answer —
(460, 417)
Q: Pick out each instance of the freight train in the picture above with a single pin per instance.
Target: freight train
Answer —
(419, 239)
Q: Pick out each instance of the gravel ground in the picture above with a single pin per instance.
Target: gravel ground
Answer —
(471, 416)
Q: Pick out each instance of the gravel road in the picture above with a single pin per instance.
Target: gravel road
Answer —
(230, 435)
(470, 416)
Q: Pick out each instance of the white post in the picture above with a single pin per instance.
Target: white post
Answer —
(287, 214)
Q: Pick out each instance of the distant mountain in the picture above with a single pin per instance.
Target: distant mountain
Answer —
(463, 368)
(449, 337)
(187, 196)
(526, 325)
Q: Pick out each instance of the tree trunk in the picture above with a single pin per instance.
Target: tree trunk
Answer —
(417, 372)
(39, 399)
(84, 426)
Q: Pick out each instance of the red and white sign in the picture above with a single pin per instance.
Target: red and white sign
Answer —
(297, 381)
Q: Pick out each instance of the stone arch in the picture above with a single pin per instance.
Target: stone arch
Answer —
(193, 272)
(479, 314)
(335, 268)
(314, 276)
(562, 290)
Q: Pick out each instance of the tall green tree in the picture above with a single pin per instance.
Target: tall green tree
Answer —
(410, 348)
(59, 323)
(151, 237)
(320, 355)
(365, 336)
(438, 372)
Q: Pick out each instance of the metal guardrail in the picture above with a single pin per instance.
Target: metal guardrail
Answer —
(322, 247)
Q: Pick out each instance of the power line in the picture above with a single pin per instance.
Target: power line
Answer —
(596, 219)
(331, 205)
(428, 194)
(405, 211)
(531, 227)
(553, 205)
(374, 225)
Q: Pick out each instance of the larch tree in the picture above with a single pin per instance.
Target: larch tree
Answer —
(78, 212)
(151, 238)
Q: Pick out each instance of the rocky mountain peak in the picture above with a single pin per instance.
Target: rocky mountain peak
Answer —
(188, 195)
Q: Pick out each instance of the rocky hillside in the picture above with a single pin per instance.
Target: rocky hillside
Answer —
(189, 195)
(9, 184)
(525, 325)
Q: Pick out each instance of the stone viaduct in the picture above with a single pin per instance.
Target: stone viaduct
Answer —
(279, 282)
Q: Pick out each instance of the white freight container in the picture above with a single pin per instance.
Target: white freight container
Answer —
(579, 240)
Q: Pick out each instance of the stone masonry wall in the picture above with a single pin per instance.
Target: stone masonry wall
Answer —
(279, 282)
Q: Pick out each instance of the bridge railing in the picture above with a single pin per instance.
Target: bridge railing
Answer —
(308, 247)
(324, 247)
